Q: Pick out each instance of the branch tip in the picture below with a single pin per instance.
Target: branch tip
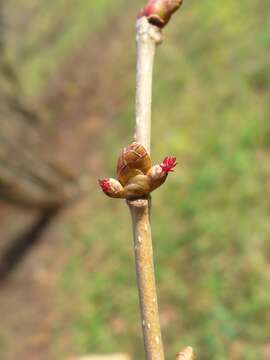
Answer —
(159, 12)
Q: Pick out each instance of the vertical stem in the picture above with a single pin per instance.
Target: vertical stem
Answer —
(147, 38)
(140, 212)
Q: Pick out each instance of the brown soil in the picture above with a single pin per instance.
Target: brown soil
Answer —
(85, 97)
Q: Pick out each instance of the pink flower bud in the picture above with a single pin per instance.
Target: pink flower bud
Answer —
(168, 164)
(105, 185)
(159, 12)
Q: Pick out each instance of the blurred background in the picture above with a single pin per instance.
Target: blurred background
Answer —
(67, 280)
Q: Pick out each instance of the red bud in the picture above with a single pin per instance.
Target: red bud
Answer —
(159, 12)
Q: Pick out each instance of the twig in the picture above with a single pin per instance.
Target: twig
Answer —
(140, 212)
(147, 38)
(148, 34)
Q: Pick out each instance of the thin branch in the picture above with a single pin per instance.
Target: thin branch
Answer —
(151, 19)
(140, 212)
(148, 36)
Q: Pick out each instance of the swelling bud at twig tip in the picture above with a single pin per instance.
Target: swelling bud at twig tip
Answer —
(159, 12)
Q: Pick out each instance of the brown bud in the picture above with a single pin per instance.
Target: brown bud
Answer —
(136, 177)
(159, 12)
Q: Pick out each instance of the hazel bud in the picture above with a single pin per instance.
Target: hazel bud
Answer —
(159, 12)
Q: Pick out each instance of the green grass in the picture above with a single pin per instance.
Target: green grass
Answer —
(211, 220)
(53, 32)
